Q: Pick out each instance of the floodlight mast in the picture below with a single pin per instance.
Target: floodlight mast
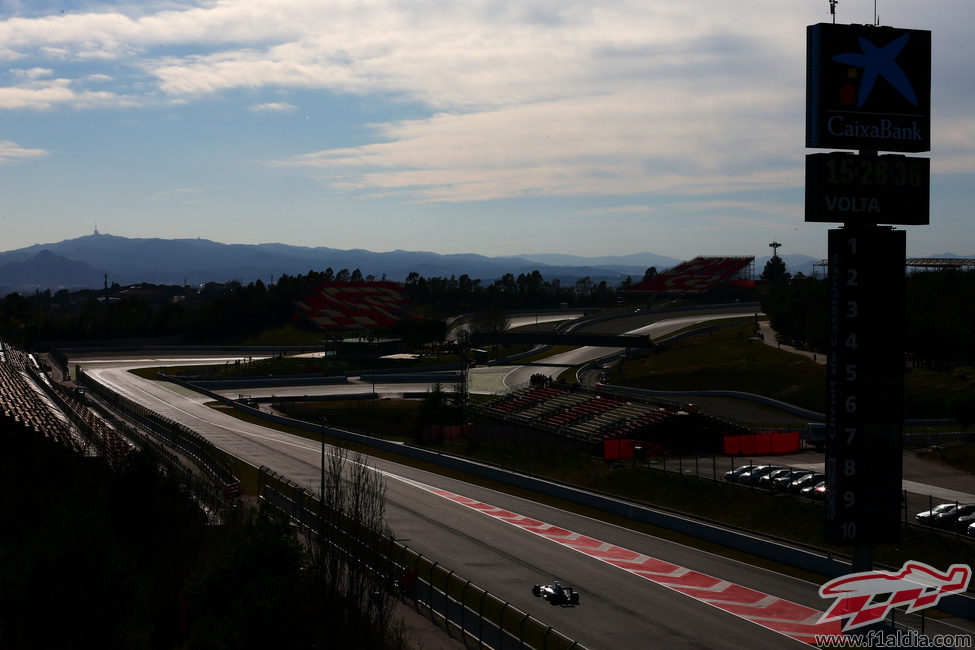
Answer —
(832, 9)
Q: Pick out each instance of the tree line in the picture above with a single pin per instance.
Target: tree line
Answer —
(232, 311)
(939, 316)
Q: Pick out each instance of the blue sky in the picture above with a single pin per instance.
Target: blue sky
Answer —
(486, 127)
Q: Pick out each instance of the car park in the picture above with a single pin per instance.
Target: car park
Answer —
(736, 473)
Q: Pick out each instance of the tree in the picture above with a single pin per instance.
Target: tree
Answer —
(775, 272)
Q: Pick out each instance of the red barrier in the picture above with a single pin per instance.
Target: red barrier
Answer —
(616, 449)
(760, 444)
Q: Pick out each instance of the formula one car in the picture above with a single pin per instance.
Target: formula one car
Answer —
(556, 594)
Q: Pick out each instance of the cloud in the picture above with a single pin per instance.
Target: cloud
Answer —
(32, 73)
(272, 107)
(584, 145)
(522, 99)
(50, 93)
(11, 152)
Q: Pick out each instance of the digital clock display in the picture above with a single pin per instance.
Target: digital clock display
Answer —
(849, 188)
(878, 171)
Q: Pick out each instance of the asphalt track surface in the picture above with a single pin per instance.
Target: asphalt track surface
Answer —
(459, 525)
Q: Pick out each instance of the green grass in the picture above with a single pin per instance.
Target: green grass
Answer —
(728, 359)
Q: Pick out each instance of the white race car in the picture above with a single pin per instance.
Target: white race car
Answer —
(556, 594)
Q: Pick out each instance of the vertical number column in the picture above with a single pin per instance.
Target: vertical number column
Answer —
(844, 449)
(866, 383)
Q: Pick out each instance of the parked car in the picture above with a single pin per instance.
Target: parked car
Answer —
(734, 474)
(752, 477)
(810, 480)
(782, 482)
(927, 517)
(810, 490)
(965, 520)
(766, 481)
(819, 492)
(948, 519)
(971, 530)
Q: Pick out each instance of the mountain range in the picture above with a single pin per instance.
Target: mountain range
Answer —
(89, 262)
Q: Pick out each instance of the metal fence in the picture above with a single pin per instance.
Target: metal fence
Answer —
(463, 607)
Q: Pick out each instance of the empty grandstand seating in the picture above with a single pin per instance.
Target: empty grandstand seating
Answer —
(24, 405)
(699, 275)
(575, 413)
(355, 305)
(51, 411)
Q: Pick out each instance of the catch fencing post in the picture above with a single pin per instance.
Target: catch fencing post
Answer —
(463, 607)
(416, 572)
(480, 620)
(446, 604)
(430, 581)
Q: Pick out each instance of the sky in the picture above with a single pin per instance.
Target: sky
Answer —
(497, 128)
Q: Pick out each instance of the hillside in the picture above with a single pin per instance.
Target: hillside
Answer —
(83, 262)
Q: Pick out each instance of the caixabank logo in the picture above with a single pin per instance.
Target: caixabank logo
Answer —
(868, 88)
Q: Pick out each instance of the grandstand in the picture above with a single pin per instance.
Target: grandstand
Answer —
(354, 305)
(30, 403)
(579, 414)
(941, 263)
(700, 275)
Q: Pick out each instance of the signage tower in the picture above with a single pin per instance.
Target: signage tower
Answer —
(868, 89)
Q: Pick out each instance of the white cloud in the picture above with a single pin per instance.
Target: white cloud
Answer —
(273, 107)
(586, 145)
(50, 93)
(11, 152)
(32, 73)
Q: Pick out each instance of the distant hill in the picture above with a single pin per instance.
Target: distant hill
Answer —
(642, 261)
(83, 262)
(46, 270)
